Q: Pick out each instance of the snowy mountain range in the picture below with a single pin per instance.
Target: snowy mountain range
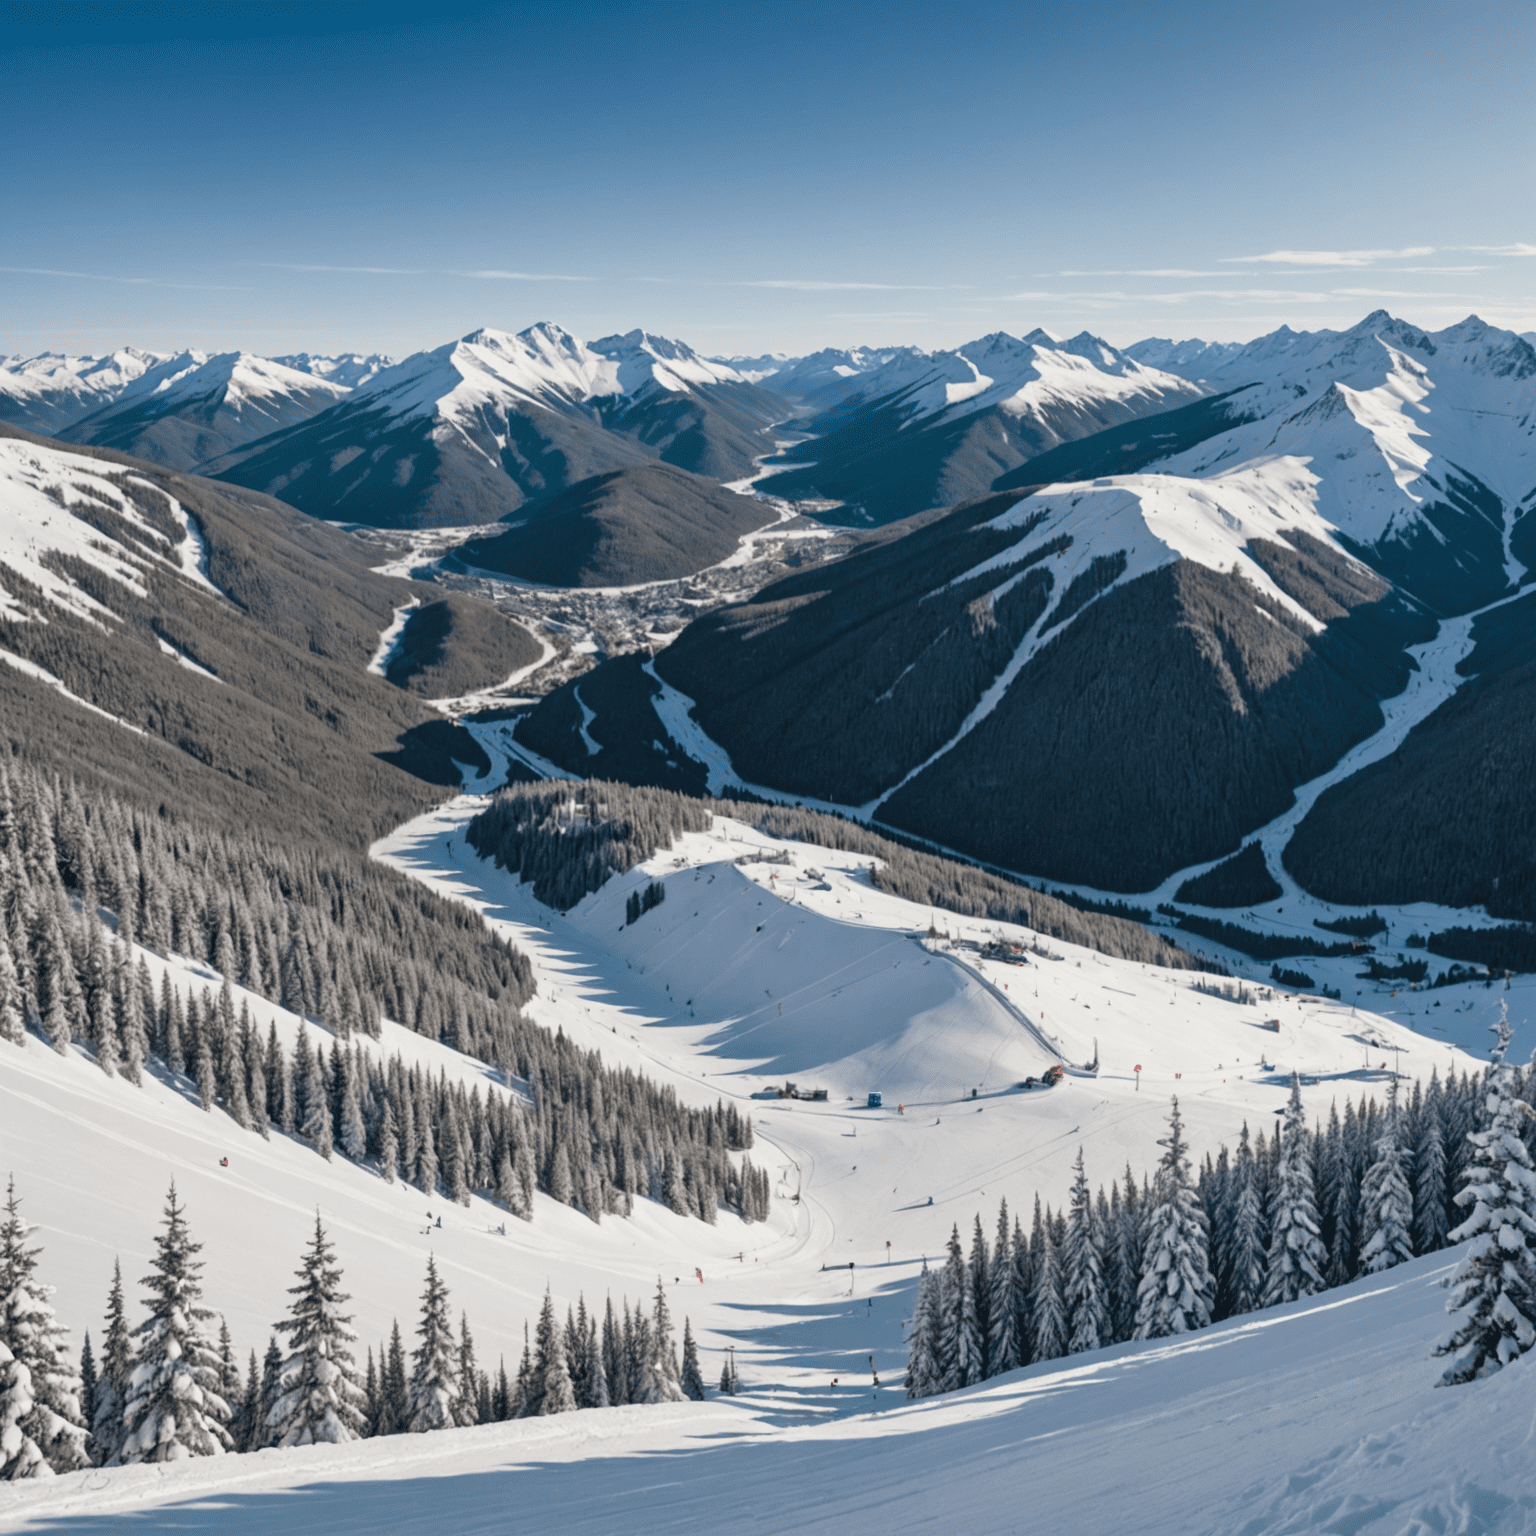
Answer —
(1248, 605)
(904, 431)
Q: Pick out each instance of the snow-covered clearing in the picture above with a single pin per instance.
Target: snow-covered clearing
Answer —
(390, 638)
(181, 659)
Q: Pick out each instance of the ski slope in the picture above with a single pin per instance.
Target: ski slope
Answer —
(1316, 1417)
(788, 964)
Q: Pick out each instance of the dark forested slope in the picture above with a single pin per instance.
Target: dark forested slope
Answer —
(648, 523)
(1451, 815)
(249, 705)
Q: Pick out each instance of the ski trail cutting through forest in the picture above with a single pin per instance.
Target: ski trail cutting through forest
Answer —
(1435, 681)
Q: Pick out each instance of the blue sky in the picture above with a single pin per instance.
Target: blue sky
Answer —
(756, 177)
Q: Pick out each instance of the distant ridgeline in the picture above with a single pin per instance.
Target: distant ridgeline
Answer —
(345, 942)
(568, 837)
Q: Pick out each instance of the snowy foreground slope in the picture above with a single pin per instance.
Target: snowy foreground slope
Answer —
(1318, 1416)
(1206, 1435)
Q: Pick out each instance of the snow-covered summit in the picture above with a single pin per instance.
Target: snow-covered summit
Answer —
(542, 366)
(52, 389)
(348, 369)
(1423, 444)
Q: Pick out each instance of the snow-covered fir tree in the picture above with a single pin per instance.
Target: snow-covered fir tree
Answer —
(925, 1373)
(693, 1378)
(174, 1408)
(1047, 1301)
(319, 1397)
(1083, 1269)
(1176, 1289)
(1494, 1287)
(1297, 1257)
(468, 1409)
(1430, 1225)
(552, 1390)
(434, 1388)
(1003, 1302)
(1385, 1200)
(660, 1378)
(1245, 1257)
(34, 1339)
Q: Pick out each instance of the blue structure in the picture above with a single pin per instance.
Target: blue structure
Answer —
(876, 1100)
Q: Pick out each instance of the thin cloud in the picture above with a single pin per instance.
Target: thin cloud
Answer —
(135, 282)
(1226, 295)
(1334, 258)
(494, 275)
(306, 266)
(1518, 249)
(1138, 272)
(812, 285)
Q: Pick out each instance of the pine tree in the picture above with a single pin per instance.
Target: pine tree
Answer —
(467, 1410)
(1246, 1252)
(434, 1375)
(174, 1409)
(1430, 1227)
(1176, 1288)
(523, 1393)
(269, 1391)
(319, 1398)
(89, 1383)
(245, 1430)
(1494, 1287)
(1083, 1264)
(693, 1379)
(1047, 1301)
(552, 1390)
(981, 1297)
(1003, 1302)
(394, 1386)
(660, 1380)
(1385, 1199)
(51, 1422)
(230, 1386)
(1296, 1254)
(925, 1374)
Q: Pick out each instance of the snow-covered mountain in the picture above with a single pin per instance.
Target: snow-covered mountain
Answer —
(1247, 605)
(467, 432)
(47, 392)
(1189, 359)
(191, 408)
(908, 431)
(348, 369)
(1422, 445)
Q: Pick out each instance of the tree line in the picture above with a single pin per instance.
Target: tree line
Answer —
(568, 837)
(584, 1134)
(1281, 1218)
(169, 1388)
